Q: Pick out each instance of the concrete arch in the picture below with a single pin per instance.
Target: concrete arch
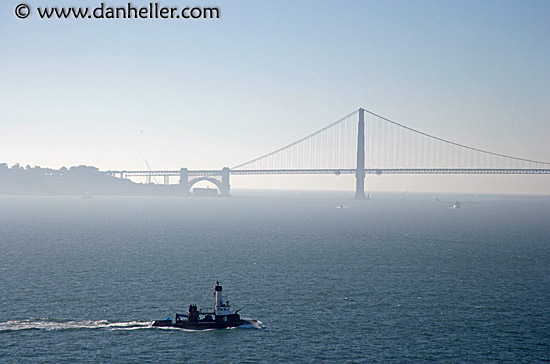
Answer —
(209, 179)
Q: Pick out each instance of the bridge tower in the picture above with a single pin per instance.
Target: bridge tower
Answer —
(184, 180)
(224, 190)
(360, 172)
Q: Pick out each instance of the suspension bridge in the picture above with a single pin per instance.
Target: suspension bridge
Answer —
(360, 143)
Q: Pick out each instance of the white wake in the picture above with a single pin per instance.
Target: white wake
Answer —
(49, 325)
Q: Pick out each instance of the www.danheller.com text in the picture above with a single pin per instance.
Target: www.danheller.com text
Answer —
(152, 10)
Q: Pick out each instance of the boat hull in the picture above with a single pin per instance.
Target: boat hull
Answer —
(201, 325)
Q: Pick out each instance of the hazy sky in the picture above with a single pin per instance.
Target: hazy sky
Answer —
(213, 93)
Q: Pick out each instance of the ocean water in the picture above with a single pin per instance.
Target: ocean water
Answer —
(394, 279)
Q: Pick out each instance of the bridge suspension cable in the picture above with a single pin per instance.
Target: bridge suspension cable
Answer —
(330, 147)
(388, 145)
(393, 145)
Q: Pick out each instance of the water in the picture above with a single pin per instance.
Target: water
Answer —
(394, 279)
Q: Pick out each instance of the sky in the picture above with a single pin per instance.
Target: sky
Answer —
(209, 93)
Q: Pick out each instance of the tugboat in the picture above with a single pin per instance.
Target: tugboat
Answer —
(195, 319)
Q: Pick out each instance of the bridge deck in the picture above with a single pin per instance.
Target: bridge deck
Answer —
(241, 172)
(395, 171)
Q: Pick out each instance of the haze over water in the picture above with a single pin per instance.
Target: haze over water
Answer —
(394, 279)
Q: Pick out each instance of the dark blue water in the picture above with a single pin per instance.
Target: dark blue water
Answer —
(393, 279)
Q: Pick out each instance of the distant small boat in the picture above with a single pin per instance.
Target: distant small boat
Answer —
(437, 199)
(369, 196)
(339, 207)
(456, 205)
(86, 196)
